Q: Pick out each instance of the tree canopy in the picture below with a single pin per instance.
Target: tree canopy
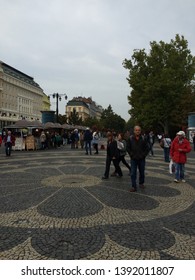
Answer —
(162, 84)
(74, 118)
(111, 121)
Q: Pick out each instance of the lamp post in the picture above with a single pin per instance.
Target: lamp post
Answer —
(58, 97)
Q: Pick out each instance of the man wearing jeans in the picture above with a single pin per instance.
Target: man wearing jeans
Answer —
(138, 148)
(179, 148)
(9, 141)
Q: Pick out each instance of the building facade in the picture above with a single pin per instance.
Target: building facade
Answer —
(80, 107)
(20, 96)
(85, 107)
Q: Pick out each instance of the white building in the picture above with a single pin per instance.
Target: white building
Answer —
(20, 96)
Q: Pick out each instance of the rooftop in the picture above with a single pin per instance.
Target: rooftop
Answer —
(11, 71)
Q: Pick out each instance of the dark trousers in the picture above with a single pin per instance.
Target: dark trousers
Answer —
(140, 164)
(96, 147)
(8, 148)
(43, 145)
(151, 149)
(122, 158)
(116, 165)
(88, 147)
(166, 154)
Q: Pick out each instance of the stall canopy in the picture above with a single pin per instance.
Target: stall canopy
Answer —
(50, 125)
(25, 124)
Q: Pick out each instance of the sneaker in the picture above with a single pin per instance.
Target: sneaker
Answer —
(183, 181)
(176, 181)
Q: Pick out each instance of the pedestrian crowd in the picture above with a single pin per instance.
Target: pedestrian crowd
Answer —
(137, 145)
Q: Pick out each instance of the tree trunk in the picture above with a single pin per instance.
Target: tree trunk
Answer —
(165, 127)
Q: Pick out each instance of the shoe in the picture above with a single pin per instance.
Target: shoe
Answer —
(176, 181)
(113, 174)
(104, 178)
(183, 181)
(132, 190)
(119, 176)
(142, 186)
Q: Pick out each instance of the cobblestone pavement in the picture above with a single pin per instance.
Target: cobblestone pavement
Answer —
(54, 205)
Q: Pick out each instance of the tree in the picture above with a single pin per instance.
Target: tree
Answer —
(91, 122)
(74, 118)
(162, 84)
(62, 119)
(111, 121)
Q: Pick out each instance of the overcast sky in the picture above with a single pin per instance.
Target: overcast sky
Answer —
(77, 46)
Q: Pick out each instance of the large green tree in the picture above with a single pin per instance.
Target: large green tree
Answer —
(74, 118)
(162, 84)
(62, 119)
(111, 121)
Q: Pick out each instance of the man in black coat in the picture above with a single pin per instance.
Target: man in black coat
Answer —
(138, 149)
(87, 139)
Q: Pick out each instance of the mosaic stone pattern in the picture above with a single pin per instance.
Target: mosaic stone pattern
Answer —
(54, 205)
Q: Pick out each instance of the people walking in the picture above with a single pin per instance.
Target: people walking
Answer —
(87, 139)
(43, 140)
(122, 152)
(82, 139)
(9, 141)
(151, 139)
(166, 147)
(76, 133)
(72, 139)
(96, 141)
(179, 148)
(138, 149)
(112, 156)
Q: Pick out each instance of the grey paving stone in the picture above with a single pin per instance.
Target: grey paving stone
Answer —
(54, 205)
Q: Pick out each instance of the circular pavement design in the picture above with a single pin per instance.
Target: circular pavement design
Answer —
(59, 210)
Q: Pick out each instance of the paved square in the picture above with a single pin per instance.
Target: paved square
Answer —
(54, 205)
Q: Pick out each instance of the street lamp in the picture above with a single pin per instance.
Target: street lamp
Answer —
(58, 97)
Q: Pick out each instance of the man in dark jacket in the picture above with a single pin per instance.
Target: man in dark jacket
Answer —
(138, 148)
(87, 139)
(112, 156)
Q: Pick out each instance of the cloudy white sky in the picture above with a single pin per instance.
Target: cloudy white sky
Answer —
(77, 46)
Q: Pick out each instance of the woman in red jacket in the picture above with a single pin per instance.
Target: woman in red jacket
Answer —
(179, 148)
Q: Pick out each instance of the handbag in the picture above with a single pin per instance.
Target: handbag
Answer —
(162, 143)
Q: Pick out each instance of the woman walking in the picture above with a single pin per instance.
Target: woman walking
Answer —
(122, 147)
(166, 146)
(112, 156)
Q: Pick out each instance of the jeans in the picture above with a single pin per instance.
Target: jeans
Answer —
(88, 147)
(179, 171)
(8, 148)
(140, 164)
(151, 149)
(166, 154)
